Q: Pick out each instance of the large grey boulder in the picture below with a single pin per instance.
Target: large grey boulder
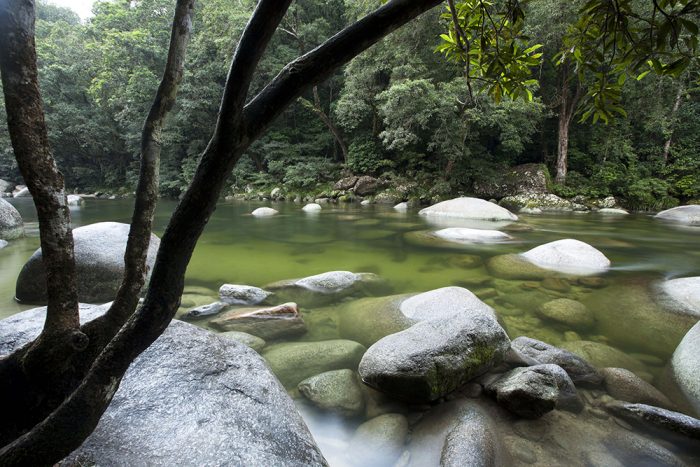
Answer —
(535, 203)
(578, 369)
(685, 366)
(683, 294)
(191, 398)
(99, 260)
(366, 185)
(264, 212)
(568, 256)
(327, 287)
(689, 215)
(267, 323)
(11, 225)
(468, 208)
(434, 357)
(235, 294)
(474, 441)
(467, 236)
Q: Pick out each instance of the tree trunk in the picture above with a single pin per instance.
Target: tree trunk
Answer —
(674, 112)
(317, 107)
(237, 127)
(562, 149)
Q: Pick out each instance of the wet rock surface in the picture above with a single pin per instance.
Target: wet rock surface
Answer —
(11, 224)
(568, 256)
(666, 423)
(327, 287)
(685, 366)
(99, 260)
(235, 294)
(379, 441)
(189, 381)
(689, 215)
(338, 391)
(267, 323)
(624, 385)
(469, 208)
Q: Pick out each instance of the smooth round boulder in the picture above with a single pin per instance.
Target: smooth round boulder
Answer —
(434, 357)
(327, 287)
(613, 211)
(191, 398)
(568, 256)
(369, 319)
(235, 294)
(473, 441)
(264, 212)
(689, 215)
(468, 236)
(514, 267)
(312, 207)
(444, 303)
(293, 362)
(624, 385)
(3, 244)
(99, 261)
(75, 200)
(603, 356)
(401, 207)
(683, 294)
(571, 313)
(11, 225)
(468, 208)
(379, 441)
(685, 366)
(336, 391)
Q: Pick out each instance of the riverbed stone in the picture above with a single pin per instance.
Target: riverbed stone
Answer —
(204, 311)
(631, 316)
(235, 294)
(613, 211)
(327, 287)
(511, 266)
(264, 212)
(99, 260)
(473, 441)
(685, 366)
(379, 441)
(11, 224)
(625, 386)
(569, 312)
(531, 392)
(21, 192)
(468, 208)
(689, 215)
(75, 200)
(267, 323)
(337, 391)
(254, 342)
(520, 179)
(367, 320)
(434, 357)
(633, 449)
(569, 256)
(188, 381)
(578, 369)
(345, 183)
(293, 362)
(366, 186)
(666, 423)
(603, 356)
(683, 294)
(545, 202)
(468, 236)
(401, 207)
(312, 207)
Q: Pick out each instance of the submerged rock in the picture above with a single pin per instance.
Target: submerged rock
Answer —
(464, 235)
(667, 424)
(569, 312)
(568, 256)
(379, 441)
(204, 311)
(264, 212)
(235, 294)
(685, 366)
(267, 323)
(11, 225)
(578, 369)
(683, 294)
(469, 208)
(613, 211)
(188, 381)
(689, 215)
(293, 362)
(99, 260)
(327, 287)
(516, 267)
(338, 391)
(624, 385)
(473, 441)
(533, 391)
(632, 449)
(254, 342)
(434, 357)
(369, 319)
(603, 356)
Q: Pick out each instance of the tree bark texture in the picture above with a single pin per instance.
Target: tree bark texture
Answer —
(237, 127)
(567, 108)
(674, 112)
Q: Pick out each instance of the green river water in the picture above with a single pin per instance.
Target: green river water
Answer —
(240, 249)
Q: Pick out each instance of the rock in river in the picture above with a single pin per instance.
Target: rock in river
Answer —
(327, 287)
(338, 391)
(685, 366)
(682, 214)
(11, 225)
(204, 311)
(266, 323)
(264, 212)
(293, 362)
(191, 398)
(99, 259)
(250, 340)
(379, 441)
(469, 208)
(235, 294)
(569, 312)
(568, 256)
(434, 357)
(626, 386)
(312, 207)
(683, 294)
(468, 236)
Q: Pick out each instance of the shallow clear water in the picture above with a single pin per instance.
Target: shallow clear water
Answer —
(238, 248)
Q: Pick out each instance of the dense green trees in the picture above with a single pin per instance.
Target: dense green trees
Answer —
(400, 110)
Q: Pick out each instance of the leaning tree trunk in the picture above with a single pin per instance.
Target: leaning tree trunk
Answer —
(237, 127)
(567, 108)
(674, 112)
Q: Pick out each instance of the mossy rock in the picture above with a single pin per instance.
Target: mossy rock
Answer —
(513, 266)
(369, 319)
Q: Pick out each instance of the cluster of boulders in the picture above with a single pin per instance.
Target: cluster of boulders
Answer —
(11, 224)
